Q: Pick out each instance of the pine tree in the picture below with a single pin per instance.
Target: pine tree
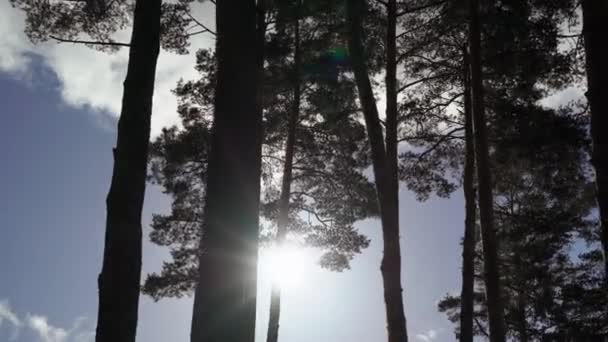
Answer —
(469, 241)
(168, 25)
(432, 128)
(541, 204)
(329, 156)
(384, 161)
(595, 14)
(484, 179)
(152, 22)
(225, 296)
(121, 271)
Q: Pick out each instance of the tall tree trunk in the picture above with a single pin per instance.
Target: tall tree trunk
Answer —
(391, 98)
(384, 174)
(468, 243)
(225, 296)
(119, 280)
(484, 178)
(275, 299)
(595, 18)
(522, 323)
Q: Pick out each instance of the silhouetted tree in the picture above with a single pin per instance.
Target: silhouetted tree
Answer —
(542, 203)
(153, 22)
(385, 168)
(595, 15)
(328, 184)
(469, 240)
(328, 153)
(432, 121)
(484, 179)
(283, 205)
(225, 296)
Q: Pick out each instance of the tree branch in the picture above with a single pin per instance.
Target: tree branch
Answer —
(382, 2)
(89, 42)
(481, 328)
(420, 8)
(205, 28)
(447, 136)
(413, 83)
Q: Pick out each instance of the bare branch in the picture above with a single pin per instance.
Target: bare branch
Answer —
(90, 42)
(205, 28)
(316, 215)
(413, 83)
(565, 36)
(382, 2)
(481, 328)
(197, 33)
(444, 138)
(420, 8)
(444, 63)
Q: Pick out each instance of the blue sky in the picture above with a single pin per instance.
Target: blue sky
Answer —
(56, 136)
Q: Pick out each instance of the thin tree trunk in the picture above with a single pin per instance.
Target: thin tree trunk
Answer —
(522, 323)
(119, 280)
(225, 296)
(595, 18)
(484, 178)
(468, 243)
(275, 299)
(391, 97)
(384, 174)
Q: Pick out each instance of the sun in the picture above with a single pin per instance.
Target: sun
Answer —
(287, 265)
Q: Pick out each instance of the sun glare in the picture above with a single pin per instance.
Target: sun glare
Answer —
(287, 265)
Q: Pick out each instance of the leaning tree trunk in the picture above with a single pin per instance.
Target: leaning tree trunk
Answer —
(484, 178)
(119, 281)
(468, 243)
(384, 174)
(225, 296)
(595, 21)
(275, 299)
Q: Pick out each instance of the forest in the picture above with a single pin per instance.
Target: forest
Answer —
(310, 116)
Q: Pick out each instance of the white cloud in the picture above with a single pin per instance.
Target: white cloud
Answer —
(79, 332)
(46, 332)
(8, 315)
(92, 79)
(564, 97)
(428, 336)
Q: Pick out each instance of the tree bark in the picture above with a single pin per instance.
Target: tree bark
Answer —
(119, 280)
(384, 173)
(595, 17)
(275, 299)
(468, 243)
(225, 296)
(484, 178)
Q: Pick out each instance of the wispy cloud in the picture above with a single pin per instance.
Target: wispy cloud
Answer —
(46, 332)
(79, 332)
(428, 336)
(8, 315)
(41, 328)
(93, 79)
